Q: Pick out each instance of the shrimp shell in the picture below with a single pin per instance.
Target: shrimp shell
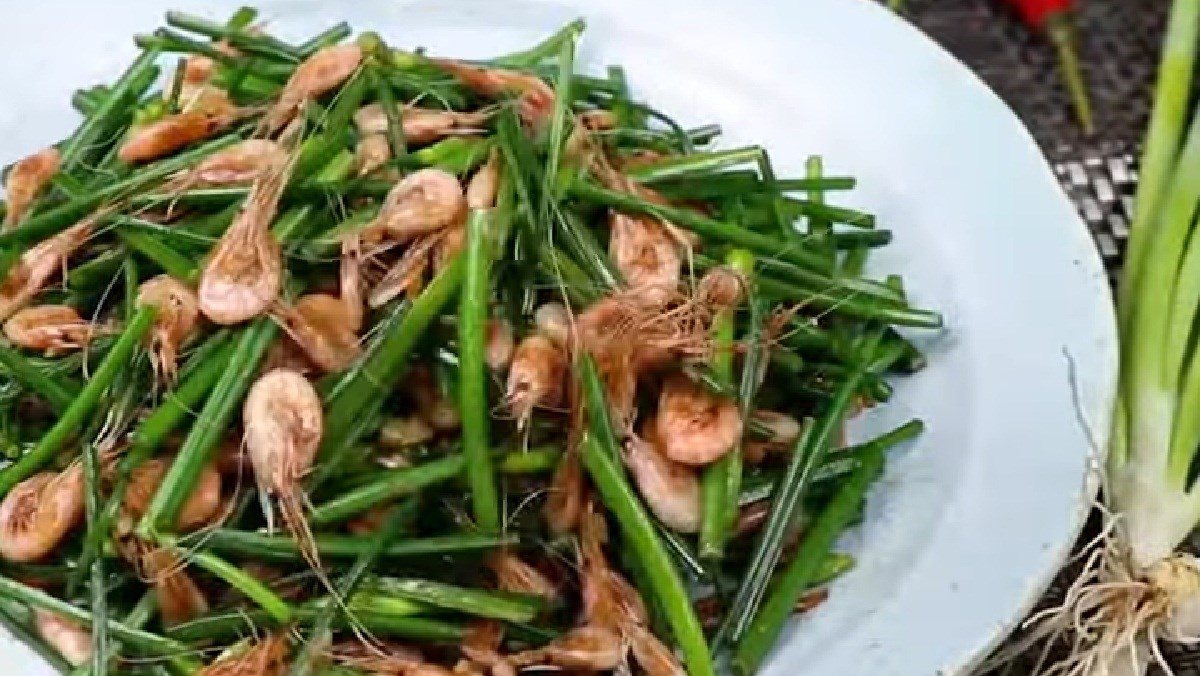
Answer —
(564, 501)
(170, 133)
(283, 423)
(320, 326)
(244, 274)
(318, 74)
(670, 489)
(500, 343)
(178, 310)
(536, 377)
(535, 98)
(52, 328)
(38, 265)
(646, 256)
(694, 426)
(553, 321)
(238, 164)
(38, 513)
(71, 641)
(421, 125)
(481, 190)
(423, 202)
(371, 152)
(515, 575)
(268, 657)
(179, 598)
(25, 180)
(588, 647)
(200, 508)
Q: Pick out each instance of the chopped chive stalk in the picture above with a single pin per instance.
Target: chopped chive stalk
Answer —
(696, 163)
(200, 443)
(285, 549)
(477, 602)
(473, 373)
(806, 565)
(59, 392)
(72, 419)
(808, 454)
(602, 463)
(388, 485)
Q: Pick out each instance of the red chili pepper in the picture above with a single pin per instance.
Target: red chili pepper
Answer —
(1054, 18)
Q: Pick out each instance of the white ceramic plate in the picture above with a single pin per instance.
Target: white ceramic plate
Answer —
(969, 523)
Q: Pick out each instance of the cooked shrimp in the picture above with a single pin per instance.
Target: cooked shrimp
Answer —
(178, 310)
(553, 321)
(421, 125)
(515, 575)
(244, 274)
(318, 74)
(39, 512)
(170, 133)
(266, 657)
(481, 190)
(648, 651)
(499, 343)
(423, 202)
(782, 429)
(207, 99)
(25, 180)
(71, 641)
(535, 98)
(283, 422)
(598, 119)
(536, 377)
(647, 257)
(200, 508)
(589, 647)
(670, 489)
(319, 324)
(179, 597)
(694, 426)
(434, 407)
(377, 658)
(482, 647)
(407, 274)
(38, 265)
(197, 69)
(238, 164)
(721, 288)
(51, 328)
(370, 153)
(564, 500)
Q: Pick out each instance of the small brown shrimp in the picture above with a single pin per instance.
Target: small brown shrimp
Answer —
(178, 311)
(598, 119)
(425, 201)
(565, 499)
(536, 377)
(370, 153)
(655, 658)
(244, 273)
(421, 125)
(499, 343)
(407, 274)
(179, 597)
(50, 328)
(553, 321)
(39, 512)
(721, 288)
(318, 74)
(266, 657)
(647, 257)
(283, 425)
(71, 640)
(433, 406)
(671, 490)
(588, 647)
(377, 658)
(694, 426)
(535, 98)
(481, 189)
(38, 265)
(25, 180)
(513, 574)
(482, 647)
(206, 99)
(238, 164)
(782, 429)
(170, 133)
(201, 507)
(319, 324)
(197, 69)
